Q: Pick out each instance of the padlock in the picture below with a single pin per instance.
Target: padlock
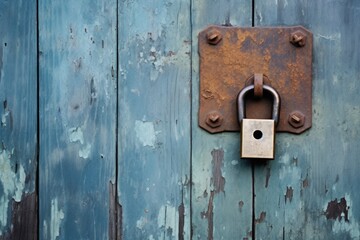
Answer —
(258, 135)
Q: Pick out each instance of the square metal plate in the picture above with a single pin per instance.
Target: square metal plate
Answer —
(230, 56)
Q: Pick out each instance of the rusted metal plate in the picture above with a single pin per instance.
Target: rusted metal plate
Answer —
(229, 58)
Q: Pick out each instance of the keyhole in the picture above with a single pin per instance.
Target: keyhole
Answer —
(257, 134)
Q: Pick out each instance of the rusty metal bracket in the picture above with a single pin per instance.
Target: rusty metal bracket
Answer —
(232, 58)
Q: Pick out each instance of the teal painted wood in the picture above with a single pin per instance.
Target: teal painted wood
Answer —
(222, 183)
(77, 41)
(18, 126)
(311, 189)
(154, 119)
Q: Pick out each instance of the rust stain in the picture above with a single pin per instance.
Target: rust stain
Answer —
(289, 194)
(261, 218)
(337, 210)
(218, 181)
(267, 177)
(209, 215)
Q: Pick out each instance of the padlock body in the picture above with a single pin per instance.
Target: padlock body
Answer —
(257, 138)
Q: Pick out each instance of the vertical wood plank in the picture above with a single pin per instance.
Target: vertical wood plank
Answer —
(311, 189)
(222, 183)
(18, 126)
(154, 119)
(77, 117)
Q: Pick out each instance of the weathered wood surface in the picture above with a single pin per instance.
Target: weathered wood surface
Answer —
(77, 44)
(175, 180)
(222, 184)
(154, 119)
(18, 126)
(311, 189)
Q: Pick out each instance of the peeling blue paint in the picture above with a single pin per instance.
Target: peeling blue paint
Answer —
(145, 133)
(13, 184)
(350, 225)
(57, 215)
(85, 152)
(4, 117)
(76, 135)
(168, 219)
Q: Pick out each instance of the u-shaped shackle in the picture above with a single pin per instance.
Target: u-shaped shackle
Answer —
(246, 90)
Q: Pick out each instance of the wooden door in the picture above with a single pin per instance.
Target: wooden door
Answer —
(100, 137)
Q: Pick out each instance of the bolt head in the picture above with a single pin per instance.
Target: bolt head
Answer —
(213, 36)
(296, 119)
(298, 38)
(214, 119)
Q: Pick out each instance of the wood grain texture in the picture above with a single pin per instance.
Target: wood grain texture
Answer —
(18, 126)
(77, 41)
(222, 183)
(154, 119)
(311, 189)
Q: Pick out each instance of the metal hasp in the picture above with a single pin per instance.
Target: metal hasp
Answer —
(229, 58)
(258, 135)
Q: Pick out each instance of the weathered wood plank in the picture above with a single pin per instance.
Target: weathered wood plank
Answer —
(154, 119)
(77, 117)
(311, 189)
(222, 183)
(18, 129)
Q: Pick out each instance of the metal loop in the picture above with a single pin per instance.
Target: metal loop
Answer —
(241, 102)
(258, 85)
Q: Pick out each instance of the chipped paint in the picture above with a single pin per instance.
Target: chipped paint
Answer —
(337, 210)
(181, 210)
(4, 116)
(140, 224)
(218, 181)
(261, 218)
(168, 219)
(341, 215)
(209, 215)
(289, 194)
(57, 215)
(289, 171)
(234, 162)
(13, 184)
(3, 213)
(145, 133)
(85, 152)
(159, 61)
(76, 135)
(331, 37)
